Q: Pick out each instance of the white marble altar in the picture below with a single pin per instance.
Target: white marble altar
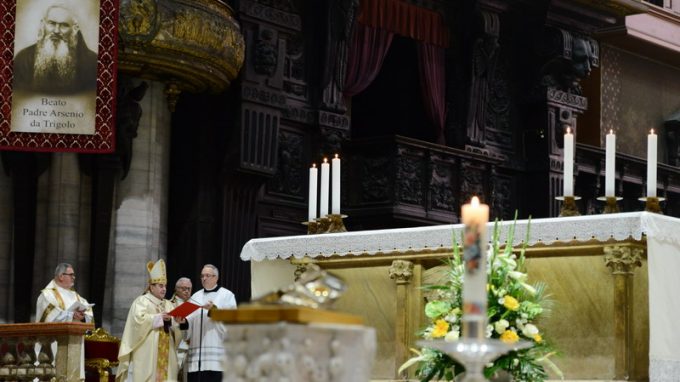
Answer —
(660, 232)
(290, 352)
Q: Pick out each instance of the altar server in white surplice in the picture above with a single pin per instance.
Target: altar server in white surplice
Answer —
(148, 350)
(58, 296)
(206, 338)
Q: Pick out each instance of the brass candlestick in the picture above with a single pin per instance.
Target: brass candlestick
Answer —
(569, 205)
(652, 204)
(331, 223)
(611, 206)
(312, 227)
(336, 224)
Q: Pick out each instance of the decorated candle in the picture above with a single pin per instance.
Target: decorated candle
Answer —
(651, 164)
(474, 216)
(313, 173)
(335, 189)
(568, 163)
(323, 207)
(610, 164)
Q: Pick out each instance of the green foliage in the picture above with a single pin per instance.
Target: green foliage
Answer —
(514, 305)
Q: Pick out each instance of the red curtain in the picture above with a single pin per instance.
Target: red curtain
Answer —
(432, 81)
(405, 19)
(367, 52)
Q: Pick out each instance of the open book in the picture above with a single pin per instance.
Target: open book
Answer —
(79, 306)
(183, 310)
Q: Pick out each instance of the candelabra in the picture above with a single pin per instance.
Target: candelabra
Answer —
(331, 223)
(611, 204)
(569, 205)
(652, 204)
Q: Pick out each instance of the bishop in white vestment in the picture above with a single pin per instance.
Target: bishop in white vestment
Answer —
(148, 350)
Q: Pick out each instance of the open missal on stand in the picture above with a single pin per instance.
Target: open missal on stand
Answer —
(184, 310)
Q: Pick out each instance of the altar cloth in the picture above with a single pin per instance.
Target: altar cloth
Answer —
(663, 255)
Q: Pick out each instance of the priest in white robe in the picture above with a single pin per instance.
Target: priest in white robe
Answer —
(206, 345)
(58, 300)
(148, 349)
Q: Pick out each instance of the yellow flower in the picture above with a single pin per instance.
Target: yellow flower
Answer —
(441, 327)
(538, 338)
(509, 337)
(510, 303)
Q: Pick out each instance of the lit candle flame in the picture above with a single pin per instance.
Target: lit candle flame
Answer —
(325, 160)
(611, 131)
(651, 131)
(474, 202)
(313, 165)
(568, 130)
(336, 155)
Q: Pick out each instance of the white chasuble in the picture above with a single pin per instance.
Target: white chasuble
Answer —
(147, 352)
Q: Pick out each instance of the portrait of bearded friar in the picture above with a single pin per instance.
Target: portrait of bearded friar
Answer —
(60, 62)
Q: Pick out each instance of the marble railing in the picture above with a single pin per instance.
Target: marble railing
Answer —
(27, 351)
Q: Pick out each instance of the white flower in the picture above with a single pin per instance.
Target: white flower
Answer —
(501, 325)
(529, 288)
(489, 330)
(529, 330)
(516, 275)
(452, 336)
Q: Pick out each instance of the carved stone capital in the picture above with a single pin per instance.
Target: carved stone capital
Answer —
(401, 271)
(622, 260)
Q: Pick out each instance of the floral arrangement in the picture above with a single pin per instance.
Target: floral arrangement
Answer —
(514, 305)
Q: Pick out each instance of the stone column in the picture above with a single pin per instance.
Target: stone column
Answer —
(139, 222)
(402, 272)
(622, 261)
(62, 221)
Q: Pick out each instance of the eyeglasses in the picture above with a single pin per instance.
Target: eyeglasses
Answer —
(207, 276)
(69, 274)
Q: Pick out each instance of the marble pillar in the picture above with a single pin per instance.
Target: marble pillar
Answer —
(62, 222)
(139, 222)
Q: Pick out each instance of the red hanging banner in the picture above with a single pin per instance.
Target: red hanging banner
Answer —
(58, 75)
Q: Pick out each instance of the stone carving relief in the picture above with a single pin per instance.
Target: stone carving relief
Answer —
(622, 259)
(441, 186)
(266, 52)
(289, 179)
(401, 271)
(409, 178)
(374, 178)
(484, 57)
(472, 180)
(570, 59)
(294, 67)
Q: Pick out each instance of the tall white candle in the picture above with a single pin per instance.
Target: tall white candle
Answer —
(610, 164)
(323, 206)
(651, 164)
(335, 189)
(474, 216)
(568, 163)
(313, 173)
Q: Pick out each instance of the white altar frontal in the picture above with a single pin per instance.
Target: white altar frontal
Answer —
(613, 278)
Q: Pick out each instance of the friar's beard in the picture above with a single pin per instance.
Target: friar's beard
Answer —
(55, 60)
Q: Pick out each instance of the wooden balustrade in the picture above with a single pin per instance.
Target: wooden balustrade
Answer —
(27, 351)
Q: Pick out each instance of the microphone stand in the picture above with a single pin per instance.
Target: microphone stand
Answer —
(200, 348)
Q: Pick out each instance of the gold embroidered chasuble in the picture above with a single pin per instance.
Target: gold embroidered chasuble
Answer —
(148, 353)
